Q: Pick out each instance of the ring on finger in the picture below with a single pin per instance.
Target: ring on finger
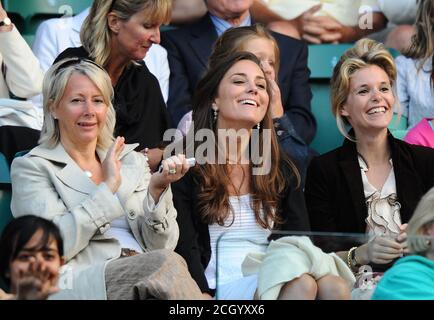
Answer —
(172, 171)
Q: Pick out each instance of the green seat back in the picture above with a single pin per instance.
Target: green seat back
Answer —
(321, 61)
(36, 11)
(5, 193)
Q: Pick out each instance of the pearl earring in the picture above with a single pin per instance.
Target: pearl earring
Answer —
(215, 111)
(258, 126)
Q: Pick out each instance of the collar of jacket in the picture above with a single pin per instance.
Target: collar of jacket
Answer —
(72, 175)
(403, 170)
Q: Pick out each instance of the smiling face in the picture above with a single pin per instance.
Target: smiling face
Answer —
(81, 112)
(46, 257)
(264, 49)
(133, 38)
(369, 105)
(242, 97)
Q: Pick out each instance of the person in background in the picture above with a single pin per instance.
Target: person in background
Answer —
(118, 35)
(340, 21)
(412, 277)
(190, 47)
(363, 186)
(31, 254)
(416, 78)
(114, 215)
(53, 36)
(20, 79)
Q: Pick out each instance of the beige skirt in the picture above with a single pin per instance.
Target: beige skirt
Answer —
(159, 274)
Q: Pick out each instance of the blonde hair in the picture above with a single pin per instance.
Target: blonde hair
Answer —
(422, 218)
(55, 82)
(95, 33)
(364, 53)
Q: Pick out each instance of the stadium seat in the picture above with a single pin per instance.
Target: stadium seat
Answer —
(5, 193)
(321, 61)
(36, 11)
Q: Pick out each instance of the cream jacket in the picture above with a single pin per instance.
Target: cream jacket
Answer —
(48, 183)
(24, 75)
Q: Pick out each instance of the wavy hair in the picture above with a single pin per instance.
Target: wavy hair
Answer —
(422, 44)
(55, 82)
(214, 179)
(364, 53)
(95, 33)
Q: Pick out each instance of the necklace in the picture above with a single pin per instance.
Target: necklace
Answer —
(88, 173)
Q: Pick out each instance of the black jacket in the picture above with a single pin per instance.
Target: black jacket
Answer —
(334, 189)
(194, 239)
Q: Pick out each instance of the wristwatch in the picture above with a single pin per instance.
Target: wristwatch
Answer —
(5, 22)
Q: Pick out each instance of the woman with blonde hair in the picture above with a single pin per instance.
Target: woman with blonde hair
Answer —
(117, 219)
(412, 277)
(117, 34)
(372, 183)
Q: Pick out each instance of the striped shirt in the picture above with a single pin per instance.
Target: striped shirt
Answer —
(234, 242)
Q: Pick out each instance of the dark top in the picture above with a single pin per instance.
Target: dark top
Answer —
(189, 49)
(141, 114)
(334, 192)
(194, 239)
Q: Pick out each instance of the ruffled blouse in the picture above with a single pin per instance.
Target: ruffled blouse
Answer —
(383, 207)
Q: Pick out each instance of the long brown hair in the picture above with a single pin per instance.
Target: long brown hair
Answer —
(214, 179)
(422, 44)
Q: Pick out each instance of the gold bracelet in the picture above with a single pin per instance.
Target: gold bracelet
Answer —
(349, 258)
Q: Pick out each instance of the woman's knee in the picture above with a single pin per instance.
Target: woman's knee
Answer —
(333, 288)
(304, 287)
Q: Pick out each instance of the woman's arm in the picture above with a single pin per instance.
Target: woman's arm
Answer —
(34, 191)
(188, 245)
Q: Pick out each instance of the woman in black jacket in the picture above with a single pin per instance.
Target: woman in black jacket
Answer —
(373, 182)
(229, 189)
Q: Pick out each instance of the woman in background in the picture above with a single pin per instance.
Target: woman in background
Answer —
(416, 78)
(117, 35)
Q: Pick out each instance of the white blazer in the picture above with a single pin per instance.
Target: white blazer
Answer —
(23, 75)
(48, 183)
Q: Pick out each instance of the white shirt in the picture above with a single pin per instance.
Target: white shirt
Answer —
(243, 236)
(414, 89)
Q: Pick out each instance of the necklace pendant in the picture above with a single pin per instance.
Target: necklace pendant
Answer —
(88, 173)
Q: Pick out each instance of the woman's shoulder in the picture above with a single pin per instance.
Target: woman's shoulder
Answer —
(72, 52)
